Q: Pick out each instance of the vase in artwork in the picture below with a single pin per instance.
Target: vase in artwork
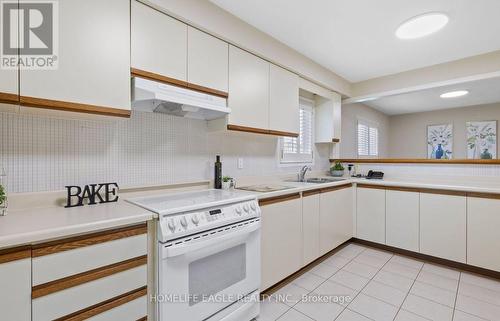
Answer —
(439, 151)
(486, 154)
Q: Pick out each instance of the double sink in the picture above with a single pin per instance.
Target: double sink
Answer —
(317, 180)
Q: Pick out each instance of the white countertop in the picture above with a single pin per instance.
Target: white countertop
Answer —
(43, 224)
(28, 226)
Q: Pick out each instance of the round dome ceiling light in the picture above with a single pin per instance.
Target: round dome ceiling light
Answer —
(454, 94)
(422, 25)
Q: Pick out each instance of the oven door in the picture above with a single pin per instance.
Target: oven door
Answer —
(203, 274)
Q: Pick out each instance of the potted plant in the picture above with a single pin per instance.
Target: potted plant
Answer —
(337, 169)
(3, 200)
(226, 182)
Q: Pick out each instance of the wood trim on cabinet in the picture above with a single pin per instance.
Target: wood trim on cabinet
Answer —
(73, 107)
(403, 189)
(176, 82)
(87, 240)
(335, 188)
(283, 134)
(484, 195)
(432, 259)
(311, 192)
(15, 254)
(85, 277)
(143, 319)
(278, 199)
(418, 161)
(335, 140)
(104, 306)
(442, 192)
(371, 186)
(9, 98)
(260, 131)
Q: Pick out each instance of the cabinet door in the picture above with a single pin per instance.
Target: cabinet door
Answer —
(15, 288)
(402, 219)
(370, 215)
(9, 81)
(335, 218)
(281, 241)
(158, 43)
(93, 61)
(483, 237)
(443, 226)
(310, 227)
(248, 89)
(283, 100)
(207, 60)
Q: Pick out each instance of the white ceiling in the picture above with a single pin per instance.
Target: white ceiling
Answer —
(355, 38)
(481, 92)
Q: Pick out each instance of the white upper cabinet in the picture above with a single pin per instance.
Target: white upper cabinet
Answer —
(159, 43)
(283, 100)
(328, 118)
(93, 60)
(248, 90)
(370, 215)
(483, 237)
(207, 62)
(443, 226)
(402, 219)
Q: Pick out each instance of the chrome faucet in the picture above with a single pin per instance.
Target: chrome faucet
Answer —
(302, 173)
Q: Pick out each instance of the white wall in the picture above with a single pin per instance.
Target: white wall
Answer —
(44, 153)
(350, 115)
(408, 132)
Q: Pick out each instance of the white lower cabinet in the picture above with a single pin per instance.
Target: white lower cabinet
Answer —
(483, 236)
(281, 239)
(443, 226)
(370, 214)
(15, 287)
(310, 227)
(402, 219)
(336, 224)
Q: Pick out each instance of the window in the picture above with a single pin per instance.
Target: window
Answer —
(367, 139)
(300, 149)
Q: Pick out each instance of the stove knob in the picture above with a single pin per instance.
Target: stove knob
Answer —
(171, 224)
(238, 210)
(246, 208)
(195, 219)
(253, 206)
(184, 222)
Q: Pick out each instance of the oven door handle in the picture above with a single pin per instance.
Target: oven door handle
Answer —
(239, 234)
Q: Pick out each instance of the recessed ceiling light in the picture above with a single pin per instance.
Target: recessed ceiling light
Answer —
(422, 25)
(454, 94)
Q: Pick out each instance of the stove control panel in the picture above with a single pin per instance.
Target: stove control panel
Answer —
(181, 224)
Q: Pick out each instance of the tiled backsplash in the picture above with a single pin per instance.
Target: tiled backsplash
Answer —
(42, 153)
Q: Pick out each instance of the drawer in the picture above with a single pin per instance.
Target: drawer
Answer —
(57, 260)
(62, 299)
(130, 311)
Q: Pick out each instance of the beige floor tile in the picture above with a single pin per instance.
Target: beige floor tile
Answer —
(480, 281)
(402, 270)
(372, 308)
(293, 315)
(427, 309)
(324, 270)
(438, 280)
(441, 270)
(407, 261)
(395, 280)
(337, 292)
(319, 307)
(290, 294)
(433, 293)
(270, 310)
(374, 261)
(309, 281)
(349, 315)
(462, 316)
(385, 293)
(478, 308)
(350, 280)
(360, 269)
(404, 315)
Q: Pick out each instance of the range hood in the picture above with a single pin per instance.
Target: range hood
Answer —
(152, 96)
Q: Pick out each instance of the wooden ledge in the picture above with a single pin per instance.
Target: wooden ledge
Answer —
(87, 240)
(418, 161)
(9, 98)
(86, 277)
(260, 131)
(107, 305)
(278, 199)
(73, 107)
(15, 254)
(176, 82)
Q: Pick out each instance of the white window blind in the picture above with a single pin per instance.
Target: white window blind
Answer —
(300, 149)
(367, 139)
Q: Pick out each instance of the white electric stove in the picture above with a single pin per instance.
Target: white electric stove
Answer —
(208, 255)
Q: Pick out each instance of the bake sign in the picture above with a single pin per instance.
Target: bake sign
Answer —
(91, 194)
